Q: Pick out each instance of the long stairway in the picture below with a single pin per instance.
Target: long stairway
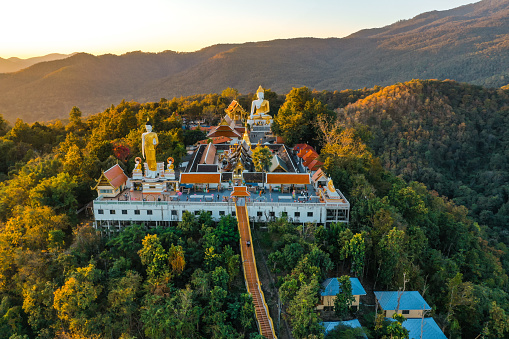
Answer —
(265, 324)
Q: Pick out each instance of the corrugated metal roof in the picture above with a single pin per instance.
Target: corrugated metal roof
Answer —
(331, 325)
(427, 326)
(410, 300)
(331, 287)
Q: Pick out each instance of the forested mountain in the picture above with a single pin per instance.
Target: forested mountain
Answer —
(15, 64)
(467, 44)
(453, 137)
(59, 278)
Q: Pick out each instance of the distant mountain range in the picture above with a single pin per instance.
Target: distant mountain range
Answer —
(468, 44)
(16, 64)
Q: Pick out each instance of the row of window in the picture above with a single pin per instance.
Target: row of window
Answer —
(174, 212)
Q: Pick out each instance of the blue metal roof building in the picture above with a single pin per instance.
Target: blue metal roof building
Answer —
(331, 287)
(425, 326)
(410, 300)
(329, 326)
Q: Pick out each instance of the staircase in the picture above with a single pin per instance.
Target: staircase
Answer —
(265, 324)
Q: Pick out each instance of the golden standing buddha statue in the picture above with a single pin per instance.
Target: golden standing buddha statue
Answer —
(149, 142)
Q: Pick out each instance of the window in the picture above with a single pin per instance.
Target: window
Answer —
(272, 214)
(233, 213)
(100, 211)
(259, 213)
(137, 212)
(149, 212)
(174, 212)
(221, 212)
(124, 211)
(297, 214)
(310, 214)
(405, 311)
(106, 191)
(196, 212)
(112, 211)
(284, 214)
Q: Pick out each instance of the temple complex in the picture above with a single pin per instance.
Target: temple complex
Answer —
(157, 194)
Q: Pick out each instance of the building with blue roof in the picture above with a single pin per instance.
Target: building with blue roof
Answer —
(331, 325)
(411, 303)
(331, 287)
(422, 328)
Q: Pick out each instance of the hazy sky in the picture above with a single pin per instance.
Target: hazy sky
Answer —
(38, 27)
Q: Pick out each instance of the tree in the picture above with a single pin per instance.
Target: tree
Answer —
(262, 157)
(123, 301)
(302, 313)
(344, 298)
(75, 301)
(75, 125)
(155, 258)
(293, 121)
(176, 259)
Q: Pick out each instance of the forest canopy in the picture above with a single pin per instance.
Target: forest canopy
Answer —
(423, 164)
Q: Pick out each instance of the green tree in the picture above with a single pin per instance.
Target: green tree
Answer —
(293, 119)
(75, 301)
(344, 298)
(262, 157)
(301, 309)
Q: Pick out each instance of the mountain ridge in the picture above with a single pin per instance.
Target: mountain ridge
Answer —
(467, 44)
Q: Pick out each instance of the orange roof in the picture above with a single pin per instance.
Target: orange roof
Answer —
(279, 140)
(232, 106)
(200, 178)
(203, 128)
(311, 154)
(314, 165)
(116, 176)
(215, 140)
(318, 174)
(288, 178)
(240, 191)
(298, 147)
(304, 150)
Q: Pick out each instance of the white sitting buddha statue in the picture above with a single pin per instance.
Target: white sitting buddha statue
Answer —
(259, 107)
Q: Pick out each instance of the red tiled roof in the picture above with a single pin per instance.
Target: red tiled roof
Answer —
(314, 165)
(288, 178)
(240, 191)
(311, 154)
(116, 176)
(304, 150)
(200, 178)
(215, 140)
(298, 147)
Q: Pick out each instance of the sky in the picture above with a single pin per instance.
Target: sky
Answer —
(38, 27)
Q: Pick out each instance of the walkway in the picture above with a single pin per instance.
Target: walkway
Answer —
(265, 324)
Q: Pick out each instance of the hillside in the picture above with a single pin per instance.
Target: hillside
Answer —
(467, 44)
(16, 64)
(451, 136)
